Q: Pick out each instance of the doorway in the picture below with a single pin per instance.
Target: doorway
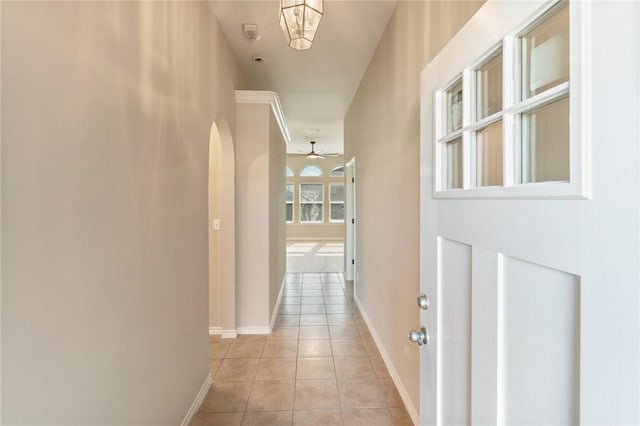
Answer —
(350, 219)
(315, 215)
(222, 232)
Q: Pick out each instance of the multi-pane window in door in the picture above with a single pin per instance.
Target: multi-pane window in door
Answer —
(486, 127)
(450, 142)
(336, 201)
(544, 123)
(506, 122)
(311, 202)
(289, 200)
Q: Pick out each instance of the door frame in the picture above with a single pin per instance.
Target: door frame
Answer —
(350, 222)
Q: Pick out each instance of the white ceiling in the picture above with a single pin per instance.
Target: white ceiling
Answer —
(315, 86)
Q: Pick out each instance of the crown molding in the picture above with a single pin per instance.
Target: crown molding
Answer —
(266, 97)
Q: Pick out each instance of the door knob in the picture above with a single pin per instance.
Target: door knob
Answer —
(421, 337)
(423, 302)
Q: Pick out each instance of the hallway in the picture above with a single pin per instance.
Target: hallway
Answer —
(320, 366)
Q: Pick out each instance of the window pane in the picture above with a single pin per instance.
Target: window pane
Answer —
(489, 155)
(311, 171)
(545, 143)
(452, 166)
(289, 212)
(337, 212)
(311, 192)
(545, 54)
(289, 192)
(454, 108)
(288, 171)
(337, 171)
(489, 88)
(310, 212)
(336, 192)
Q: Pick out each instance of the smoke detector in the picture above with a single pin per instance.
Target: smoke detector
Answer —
(251, 32)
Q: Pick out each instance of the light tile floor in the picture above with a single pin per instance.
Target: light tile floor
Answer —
(315, 256)
(320, 366)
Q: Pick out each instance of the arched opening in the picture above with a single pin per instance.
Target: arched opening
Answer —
(222, 232)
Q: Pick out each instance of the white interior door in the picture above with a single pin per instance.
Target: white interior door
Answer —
(530, 217)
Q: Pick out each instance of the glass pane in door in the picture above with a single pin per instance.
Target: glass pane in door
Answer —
(545, 143)
(454, 108)
(545, 54)
(489, 87)
(452, 167)
(489, 155)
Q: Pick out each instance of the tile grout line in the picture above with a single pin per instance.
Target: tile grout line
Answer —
(352, 318)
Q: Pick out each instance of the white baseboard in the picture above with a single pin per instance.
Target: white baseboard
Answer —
(336, 239)
(254, 330)
(225, 334)
(195, 406)
(277, 306)
(411, 409)
(229, 334)
(268, 329)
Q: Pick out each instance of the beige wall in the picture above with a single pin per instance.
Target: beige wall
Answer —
(106, 110)
(382, 133)
(277, 213)
(260, 160)
(326, 230)
(252, 218)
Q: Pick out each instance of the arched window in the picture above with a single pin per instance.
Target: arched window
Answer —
(288, 171)
(311, 171)
(337, 171)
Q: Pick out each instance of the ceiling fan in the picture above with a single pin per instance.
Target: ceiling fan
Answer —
(313, 155)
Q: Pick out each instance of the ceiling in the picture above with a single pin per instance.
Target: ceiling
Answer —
(316, 86)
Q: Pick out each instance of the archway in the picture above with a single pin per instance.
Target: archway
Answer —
(222, 232)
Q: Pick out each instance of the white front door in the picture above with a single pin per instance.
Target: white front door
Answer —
(530, 217)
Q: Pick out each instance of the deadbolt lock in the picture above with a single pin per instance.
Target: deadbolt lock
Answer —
(423, 302)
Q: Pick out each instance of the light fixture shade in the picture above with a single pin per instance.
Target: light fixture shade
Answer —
(299, 20)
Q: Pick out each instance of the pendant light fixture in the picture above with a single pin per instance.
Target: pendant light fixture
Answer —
(299, 20)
